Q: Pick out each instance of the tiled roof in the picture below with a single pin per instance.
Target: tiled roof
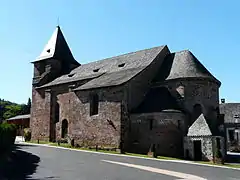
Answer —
(231, 112)
(199, 127)
(182, 64)
(26, 116)
(111, 71)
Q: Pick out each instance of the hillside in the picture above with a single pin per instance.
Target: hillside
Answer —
(10, 109)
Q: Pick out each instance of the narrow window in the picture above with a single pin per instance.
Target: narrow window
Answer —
(96, 70)
(179, 124)
(70, 75)
(197, 110)
(151, 124)
(94, 102)
(57, 112)
(64, 128)
(121, 65)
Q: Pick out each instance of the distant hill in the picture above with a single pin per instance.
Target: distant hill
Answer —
(10, 109)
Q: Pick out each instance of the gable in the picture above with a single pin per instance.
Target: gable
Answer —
(199, 127)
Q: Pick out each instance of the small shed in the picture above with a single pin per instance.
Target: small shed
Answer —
(22, 121)
(200, 144)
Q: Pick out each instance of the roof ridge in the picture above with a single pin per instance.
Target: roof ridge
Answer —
(124, 54)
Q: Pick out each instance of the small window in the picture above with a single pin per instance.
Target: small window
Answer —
(236, 116)
(96, 70)
(179, 124)
(48, 50)
(70, 75)
(151, 124)
(94, 102)
(57, 112)
(121, 65)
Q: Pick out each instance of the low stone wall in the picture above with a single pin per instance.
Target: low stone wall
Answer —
(207, 147)
(163, 129)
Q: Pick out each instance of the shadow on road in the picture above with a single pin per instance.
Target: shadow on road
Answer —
(18, 165)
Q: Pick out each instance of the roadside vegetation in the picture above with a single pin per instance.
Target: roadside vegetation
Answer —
(7, 137)
(9, 109)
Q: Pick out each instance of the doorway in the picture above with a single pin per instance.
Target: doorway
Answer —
(64, 128)
(197, 146)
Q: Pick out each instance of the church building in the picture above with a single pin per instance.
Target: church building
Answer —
(132, 102)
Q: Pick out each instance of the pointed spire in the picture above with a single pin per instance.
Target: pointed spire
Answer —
(57, 48)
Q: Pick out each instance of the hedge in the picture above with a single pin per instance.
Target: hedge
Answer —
(7, 136)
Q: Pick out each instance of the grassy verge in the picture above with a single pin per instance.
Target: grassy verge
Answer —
(133, 154)
(225, 164)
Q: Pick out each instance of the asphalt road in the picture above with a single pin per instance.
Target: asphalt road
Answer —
(45, 163)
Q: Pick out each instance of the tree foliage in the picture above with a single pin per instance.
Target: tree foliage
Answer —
(9, 109)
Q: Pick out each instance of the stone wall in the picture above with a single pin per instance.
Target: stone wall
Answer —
(40, 114)
(196, 91)
(103, 129)
(166, 133)
(204, 92)
(206, 145)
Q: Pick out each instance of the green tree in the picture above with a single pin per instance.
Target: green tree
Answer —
(12, 110)
(26, 108)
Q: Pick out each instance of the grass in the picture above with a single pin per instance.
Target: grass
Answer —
(225, 164)
(133, 154)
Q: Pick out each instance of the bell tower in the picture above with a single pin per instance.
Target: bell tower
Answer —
(55, 60)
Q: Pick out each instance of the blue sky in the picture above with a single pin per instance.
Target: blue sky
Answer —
(97, 29)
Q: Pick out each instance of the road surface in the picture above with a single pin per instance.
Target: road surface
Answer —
(45, 163)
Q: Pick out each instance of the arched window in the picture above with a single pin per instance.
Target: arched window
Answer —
(64, 128)
(197, 110)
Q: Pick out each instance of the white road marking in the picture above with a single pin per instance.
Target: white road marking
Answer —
(131, 156)
(182, 176)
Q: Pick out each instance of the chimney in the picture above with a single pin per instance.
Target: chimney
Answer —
(222, 100)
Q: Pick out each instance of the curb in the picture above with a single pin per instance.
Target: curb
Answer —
(124, 155)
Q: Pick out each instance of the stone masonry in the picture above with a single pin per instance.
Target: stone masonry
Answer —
(131, 101)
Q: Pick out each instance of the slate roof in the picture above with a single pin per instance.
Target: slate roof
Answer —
(231, 111)
(57, 48)
(26, 116)
(199, 127)
(182, 64)
(111, 71)
(157, 100)
(119, 69)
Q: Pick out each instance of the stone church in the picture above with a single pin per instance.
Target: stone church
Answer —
(134, 101)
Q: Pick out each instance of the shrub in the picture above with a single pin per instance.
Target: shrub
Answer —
(7, 136)
(27, 134)
(235, 148)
